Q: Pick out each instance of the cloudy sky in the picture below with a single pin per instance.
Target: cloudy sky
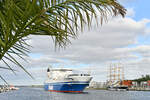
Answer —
(125, 40)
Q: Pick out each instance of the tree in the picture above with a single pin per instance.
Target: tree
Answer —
(59, 19)
(143, 78)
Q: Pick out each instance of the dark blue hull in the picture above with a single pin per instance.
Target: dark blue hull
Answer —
(66, 86)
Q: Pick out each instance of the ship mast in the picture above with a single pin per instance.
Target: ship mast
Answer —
(116, 73)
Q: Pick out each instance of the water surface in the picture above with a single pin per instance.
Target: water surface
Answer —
(40, 94)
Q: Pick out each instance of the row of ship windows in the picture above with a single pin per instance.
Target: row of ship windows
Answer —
(79, 75)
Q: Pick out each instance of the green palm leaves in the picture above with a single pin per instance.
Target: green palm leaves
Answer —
(59, 19)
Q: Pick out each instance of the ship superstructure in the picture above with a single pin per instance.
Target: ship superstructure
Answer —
(65, 80)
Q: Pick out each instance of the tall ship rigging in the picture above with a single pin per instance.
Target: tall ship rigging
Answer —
(116, 77)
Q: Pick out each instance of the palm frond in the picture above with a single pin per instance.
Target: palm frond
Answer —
(7, 68)
(59, 19)
(4, 80)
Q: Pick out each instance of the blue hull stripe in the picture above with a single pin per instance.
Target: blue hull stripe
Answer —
(66, 86)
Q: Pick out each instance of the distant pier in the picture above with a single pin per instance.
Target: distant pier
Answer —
(6, 88)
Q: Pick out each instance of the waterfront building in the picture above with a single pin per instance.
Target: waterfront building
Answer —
(95, 84)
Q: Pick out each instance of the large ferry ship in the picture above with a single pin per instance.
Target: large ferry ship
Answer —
(65, 80)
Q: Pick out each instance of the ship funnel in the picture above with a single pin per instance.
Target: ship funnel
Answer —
(48, 72)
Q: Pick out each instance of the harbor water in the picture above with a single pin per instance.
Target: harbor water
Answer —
(40, 94)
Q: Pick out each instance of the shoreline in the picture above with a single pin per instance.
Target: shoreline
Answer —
(130, 89)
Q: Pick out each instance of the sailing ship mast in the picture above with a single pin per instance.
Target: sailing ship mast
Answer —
(116, 73)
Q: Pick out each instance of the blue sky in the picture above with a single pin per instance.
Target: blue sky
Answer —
(141, 8)
(125, 40)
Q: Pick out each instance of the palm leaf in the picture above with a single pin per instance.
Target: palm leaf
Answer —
(59, 19)
(4, 80)
(7, 68)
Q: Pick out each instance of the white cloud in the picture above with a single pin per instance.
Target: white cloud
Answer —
(97, 47)
(130, 12)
